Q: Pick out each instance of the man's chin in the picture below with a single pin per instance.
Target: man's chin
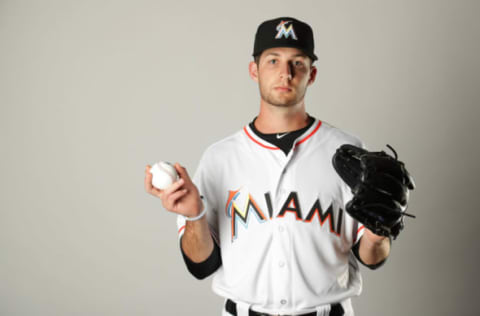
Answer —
(284, 103)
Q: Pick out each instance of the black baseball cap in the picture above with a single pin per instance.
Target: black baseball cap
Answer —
(284, 32)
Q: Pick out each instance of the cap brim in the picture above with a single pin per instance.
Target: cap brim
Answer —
(312, 56)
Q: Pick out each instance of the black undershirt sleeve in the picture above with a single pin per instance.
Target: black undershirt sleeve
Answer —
(355, 250)
(201, 270)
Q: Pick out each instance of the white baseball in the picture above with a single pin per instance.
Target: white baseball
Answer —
(164, 174)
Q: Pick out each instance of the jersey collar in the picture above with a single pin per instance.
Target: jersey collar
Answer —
(301, 139)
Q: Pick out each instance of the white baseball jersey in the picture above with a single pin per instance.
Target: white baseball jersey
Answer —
(279, 220)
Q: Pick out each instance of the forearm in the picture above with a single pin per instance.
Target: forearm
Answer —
(197, 241)
(182, 197)
(373, 248)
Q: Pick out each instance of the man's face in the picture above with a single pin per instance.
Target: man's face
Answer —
(283, 75)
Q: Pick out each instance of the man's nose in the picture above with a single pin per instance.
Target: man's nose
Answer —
(286, 71)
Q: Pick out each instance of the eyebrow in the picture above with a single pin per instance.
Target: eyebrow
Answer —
(296, 55)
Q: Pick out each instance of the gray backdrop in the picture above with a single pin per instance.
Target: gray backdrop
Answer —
(92, 91)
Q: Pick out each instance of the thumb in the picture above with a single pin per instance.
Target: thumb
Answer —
(182, 172)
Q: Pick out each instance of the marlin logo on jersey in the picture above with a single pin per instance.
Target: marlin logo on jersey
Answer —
(283, 30)
(240, 215)
(241, 206)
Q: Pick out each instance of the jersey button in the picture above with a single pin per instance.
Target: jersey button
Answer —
(283, 302)
(281, 264)
(281, 229)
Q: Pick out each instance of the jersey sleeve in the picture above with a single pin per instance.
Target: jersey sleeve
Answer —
(204, 179)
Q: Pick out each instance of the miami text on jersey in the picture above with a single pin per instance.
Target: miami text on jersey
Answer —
(240, 213)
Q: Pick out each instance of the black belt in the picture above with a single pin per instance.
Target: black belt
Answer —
(231, 307)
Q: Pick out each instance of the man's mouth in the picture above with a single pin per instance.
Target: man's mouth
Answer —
(283, 89)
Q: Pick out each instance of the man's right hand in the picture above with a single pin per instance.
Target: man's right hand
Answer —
(182, 197)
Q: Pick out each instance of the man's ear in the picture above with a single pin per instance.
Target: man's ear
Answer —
(313, 75)
(253, 70)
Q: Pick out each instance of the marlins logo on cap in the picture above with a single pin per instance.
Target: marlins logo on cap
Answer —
(283, 30)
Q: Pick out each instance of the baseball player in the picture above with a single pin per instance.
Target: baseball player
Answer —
(265, 212)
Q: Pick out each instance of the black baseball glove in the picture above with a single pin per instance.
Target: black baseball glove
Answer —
(380, 185)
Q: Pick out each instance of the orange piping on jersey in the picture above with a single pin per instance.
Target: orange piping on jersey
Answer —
(250, 136)
(309, 135)
(181, 228)
(361, 227)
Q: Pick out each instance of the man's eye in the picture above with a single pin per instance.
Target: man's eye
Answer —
(298, 63)
(272, 61)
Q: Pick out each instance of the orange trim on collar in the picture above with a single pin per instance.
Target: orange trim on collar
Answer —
(309, 135)
(256, 141)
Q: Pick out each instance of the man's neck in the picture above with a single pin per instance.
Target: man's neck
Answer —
(274, 119)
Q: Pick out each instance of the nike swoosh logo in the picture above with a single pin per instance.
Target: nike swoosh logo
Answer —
(282, 135)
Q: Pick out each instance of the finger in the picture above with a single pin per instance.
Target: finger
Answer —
(182, 172)
(174, 197)
(153, 190)
(156, 192)
(148, 183)
(148, 180)
(147, 170)
(174, 187)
